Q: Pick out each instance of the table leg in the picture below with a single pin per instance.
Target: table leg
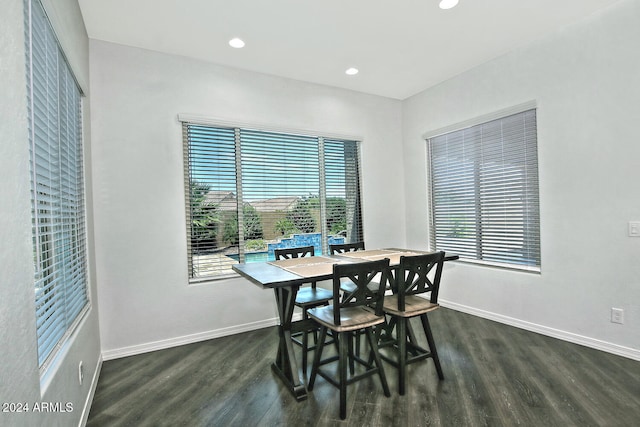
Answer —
(286, 365)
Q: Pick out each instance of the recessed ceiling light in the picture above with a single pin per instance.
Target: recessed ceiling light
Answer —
(352, 71)
(236, 42)
(448, 4)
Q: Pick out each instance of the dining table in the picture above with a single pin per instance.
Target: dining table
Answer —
(285, 277)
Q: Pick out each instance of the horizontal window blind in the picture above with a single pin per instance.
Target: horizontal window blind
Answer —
(251, 191)
(210, 188)
(57, 196)
(280, 187)
(484, 190)
(342, 184)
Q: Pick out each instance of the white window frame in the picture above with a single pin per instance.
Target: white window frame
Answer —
(57, 182)
(532, 180)
(321, 137)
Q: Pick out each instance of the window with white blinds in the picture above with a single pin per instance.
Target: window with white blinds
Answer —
(57, 186)
(252, 191)
(484, 192)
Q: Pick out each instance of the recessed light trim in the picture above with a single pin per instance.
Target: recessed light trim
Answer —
(352, 71)
(236, 43)
(448, 4)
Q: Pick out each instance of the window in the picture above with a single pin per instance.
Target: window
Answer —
(484, 191)
(57, 186)
(252, 191)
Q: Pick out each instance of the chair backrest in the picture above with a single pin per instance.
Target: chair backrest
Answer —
(414, 276)
(346, 247)
(299, 252)
(361, 274)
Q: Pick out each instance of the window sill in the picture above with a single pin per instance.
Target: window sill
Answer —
(501, 266)
(212, 279)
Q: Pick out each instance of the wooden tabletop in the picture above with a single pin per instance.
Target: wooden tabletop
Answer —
(268, 275)
(271, 276)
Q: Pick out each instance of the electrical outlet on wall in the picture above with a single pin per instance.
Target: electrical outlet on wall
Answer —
(617, 315)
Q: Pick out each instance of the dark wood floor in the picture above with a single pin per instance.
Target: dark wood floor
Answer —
(495, 375)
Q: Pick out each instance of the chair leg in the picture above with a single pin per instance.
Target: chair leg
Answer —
(376, 354)
(402, 354)
(342, 368)
(432, 345)
(377, 332)
(336, 340)
(305, 344)
(410, 334)
(382, 335)
(316, 357)
(350, 356)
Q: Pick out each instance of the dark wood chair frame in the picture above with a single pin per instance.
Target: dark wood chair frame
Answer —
(412, 278)
(306, 298)
(346, 247)
(368, 302)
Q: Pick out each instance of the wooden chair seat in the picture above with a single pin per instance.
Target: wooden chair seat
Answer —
(414, 306)
(311, 297)
(351, 319)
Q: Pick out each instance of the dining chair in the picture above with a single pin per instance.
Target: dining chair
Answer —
(306, 298)
(361, 309)
(347, 285)
(415, 275)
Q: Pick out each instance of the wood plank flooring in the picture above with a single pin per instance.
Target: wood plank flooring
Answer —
(495, 375)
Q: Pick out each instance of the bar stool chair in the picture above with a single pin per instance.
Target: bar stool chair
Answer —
(361, 309)
(306, 298)
(415, 275)
(347, 285)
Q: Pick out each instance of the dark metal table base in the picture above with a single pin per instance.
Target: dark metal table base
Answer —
(286, 366)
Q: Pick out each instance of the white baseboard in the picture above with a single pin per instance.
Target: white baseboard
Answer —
(92, 392)
(619, 350)
(187, 339)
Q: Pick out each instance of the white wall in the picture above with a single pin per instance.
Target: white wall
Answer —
(586, 82)
(19, 373)
(145, 300)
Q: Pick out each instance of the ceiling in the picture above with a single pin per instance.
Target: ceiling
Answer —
(401, 47)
